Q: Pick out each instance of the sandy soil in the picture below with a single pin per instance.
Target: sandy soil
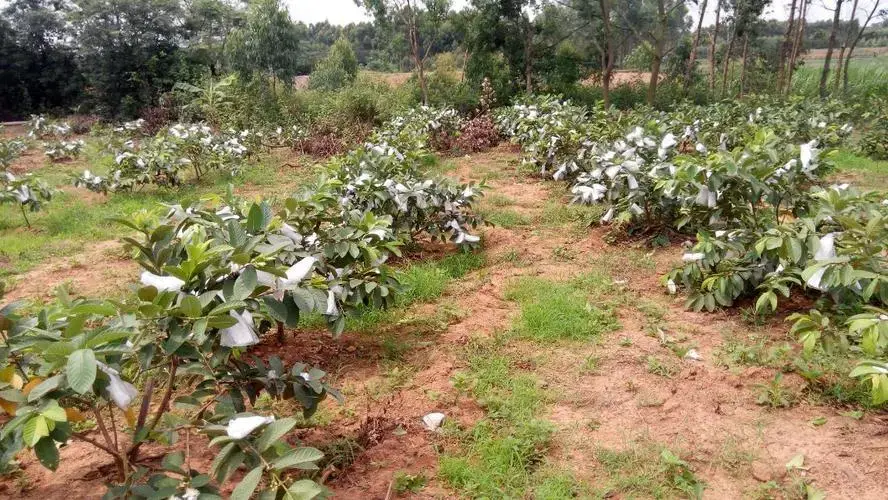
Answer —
(703, 410)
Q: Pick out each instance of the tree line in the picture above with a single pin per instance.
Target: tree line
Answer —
(119, 57)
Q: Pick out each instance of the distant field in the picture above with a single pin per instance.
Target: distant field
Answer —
(859, 52)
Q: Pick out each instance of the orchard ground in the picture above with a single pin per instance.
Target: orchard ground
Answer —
(561, 364)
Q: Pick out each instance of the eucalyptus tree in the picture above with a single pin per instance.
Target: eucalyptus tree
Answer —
(421, 19)
(827, 60)
(206, 26)
(267, 45)
(855, 33)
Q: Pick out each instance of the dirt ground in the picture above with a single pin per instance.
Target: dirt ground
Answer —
(705, 409)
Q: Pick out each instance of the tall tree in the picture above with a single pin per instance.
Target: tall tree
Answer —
(797, 43)
(607, 53)
(713, 44)
(416, 16)
(784, 47)
(857, 36)
(692, 58)
(38, 68)
(849, 31)
(129, 51)
(207, 24)
(827, 60)
(267, 44)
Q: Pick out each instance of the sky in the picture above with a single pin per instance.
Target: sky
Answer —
(335, 11)
(345, 11)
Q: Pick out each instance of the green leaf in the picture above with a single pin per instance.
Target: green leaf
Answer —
(47, 453)
(302, 458)
(53, 411)
(81, 370)
(173, 462)
(35, 429)
(273, 432)
(305, 489)
(245, 284)
(48, 385)
(190, 306)
(248, 485)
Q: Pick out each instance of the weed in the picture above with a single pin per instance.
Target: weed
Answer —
(422, 283)
(736, 456)
(556, 311)
(590, 365)
(459, 264)
(774, 394)
(499, 456)
(625, 342)
(556, 485)
(403, 482)
(340, 453)
(564, 254)
(648, 469)
(663, 367)
(394, 348)
(504, 218)
(557, 213)
(498, 200)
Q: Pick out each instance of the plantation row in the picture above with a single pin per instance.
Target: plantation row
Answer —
(748, 179)
(216, 277)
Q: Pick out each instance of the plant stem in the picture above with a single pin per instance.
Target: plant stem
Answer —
(133, 452)
(22, 207)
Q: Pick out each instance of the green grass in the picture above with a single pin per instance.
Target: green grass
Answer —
(503, 455)
(75, 218)
(420, 282)
(579, 217)
(864, 172)
(504, 217)
(575, 310)
(426, 281)
(644, 470)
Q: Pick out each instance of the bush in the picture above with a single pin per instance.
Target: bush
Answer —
(337, 70)
(477, 134)
(874, 142)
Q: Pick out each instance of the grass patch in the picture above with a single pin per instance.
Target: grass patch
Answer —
(559, 213)
(496, 463)
(503, 455)
(647, 469)
(864, 173)
(504, 217)
(574, 310)
(426, 281)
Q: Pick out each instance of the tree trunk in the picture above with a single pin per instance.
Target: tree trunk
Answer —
(797, 44)
(827, 61)
(784, 46)
(713, 41)
(743, 64)
(727, 65)
(839, 66)
(692, 60)
(659, 41)
(854, 44)
(417, 59)
(528, 56)
(607, 54)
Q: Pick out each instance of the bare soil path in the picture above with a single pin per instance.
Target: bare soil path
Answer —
(639, 390)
